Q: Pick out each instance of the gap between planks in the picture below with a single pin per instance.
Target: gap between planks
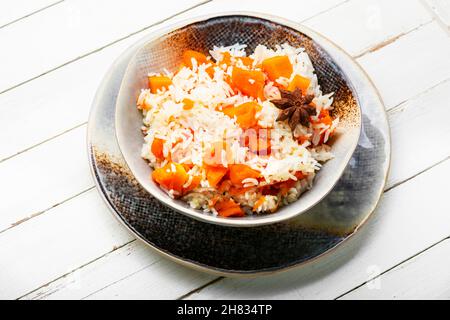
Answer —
(30, 14)
(78, 268)
(389, 41)
(200, 288)
(390, 113)
(105, 46)
(36, 214)
(371, 50)
(393, 267)
(215, 280)
(134, 33)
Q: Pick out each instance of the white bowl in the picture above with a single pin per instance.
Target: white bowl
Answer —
(164, 50)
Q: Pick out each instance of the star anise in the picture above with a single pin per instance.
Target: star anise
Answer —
(296, 108)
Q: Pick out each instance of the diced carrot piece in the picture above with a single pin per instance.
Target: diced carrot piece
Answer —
(258, 203)
(276, 67)
(227, 78)
(194, 184)
(188, 104)
(245, 114)
(226, 59)
(229, 111)
(187, 166)
(249, 82)
(224, 186)
(210, 71)
(246, 61)
(299, 82)
(188, 55)
(156, 83)
(246, 120)
(238, 190)
(215, 174)
(171, 179)
(229, 208)
(325, 117)
(232, 212)
(302, 139)
(239, 172)
(157, 148)
(299, 175)
(286, 186)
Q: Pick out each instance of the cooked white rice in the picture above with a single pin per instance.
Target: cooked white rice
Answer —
(188, 133)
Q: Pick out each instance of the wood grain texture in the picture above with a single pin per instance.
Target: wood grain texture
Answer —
(71, 160)
(67, 113)
(370, 23)
(441, 9)
(13, 10)
(55, 243)
(404, 227)
(29, 105)
(414, 147)
(43, 177)
(74, 28)
(410, 65)
(153, 278)
(426, 276)
(106, 264)
(398, 230)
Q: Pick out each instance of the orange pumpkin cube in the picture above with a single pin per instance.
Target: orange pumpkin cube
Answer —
(215, 174)
(171, 177)
(228, 208)
(188, 55)
(240, 172)
(276, 67)
(245, 114)
(156, 83)
(299, 82)
(157, 148)
(249, 82)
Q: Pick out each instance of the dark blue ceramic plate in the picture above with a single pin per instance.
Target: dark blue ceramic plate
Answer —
(263, 249)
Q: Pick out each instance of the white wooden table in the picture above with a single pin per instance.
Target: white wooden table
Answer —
(53, 55)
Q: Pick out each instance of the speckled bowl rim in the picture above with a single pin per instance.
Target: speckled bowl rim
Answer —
(200, 266)
(265, 219)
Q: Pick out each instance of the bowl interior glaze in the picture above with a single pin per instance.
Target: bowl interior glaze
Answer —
(164, 50)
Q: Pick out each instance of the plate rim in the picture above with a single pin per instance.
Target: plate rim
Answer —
(198, 265)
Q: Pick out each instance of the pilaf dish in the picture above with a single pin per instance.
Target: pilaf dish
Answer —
(235, 134)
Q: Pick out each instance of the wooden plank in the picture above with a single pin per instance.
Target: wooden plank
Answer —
(153, 277)
(441, 9)
(112, 288)
(43, 177)
(53, 103)
(56, 243)
(358, 26)
(62, 94)
(71, 29)
(410, 65)
(426, 276)
(12, 10)
(67, 162)
(398, 230)
(420, 133)
(29, 105)
(295, 10)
